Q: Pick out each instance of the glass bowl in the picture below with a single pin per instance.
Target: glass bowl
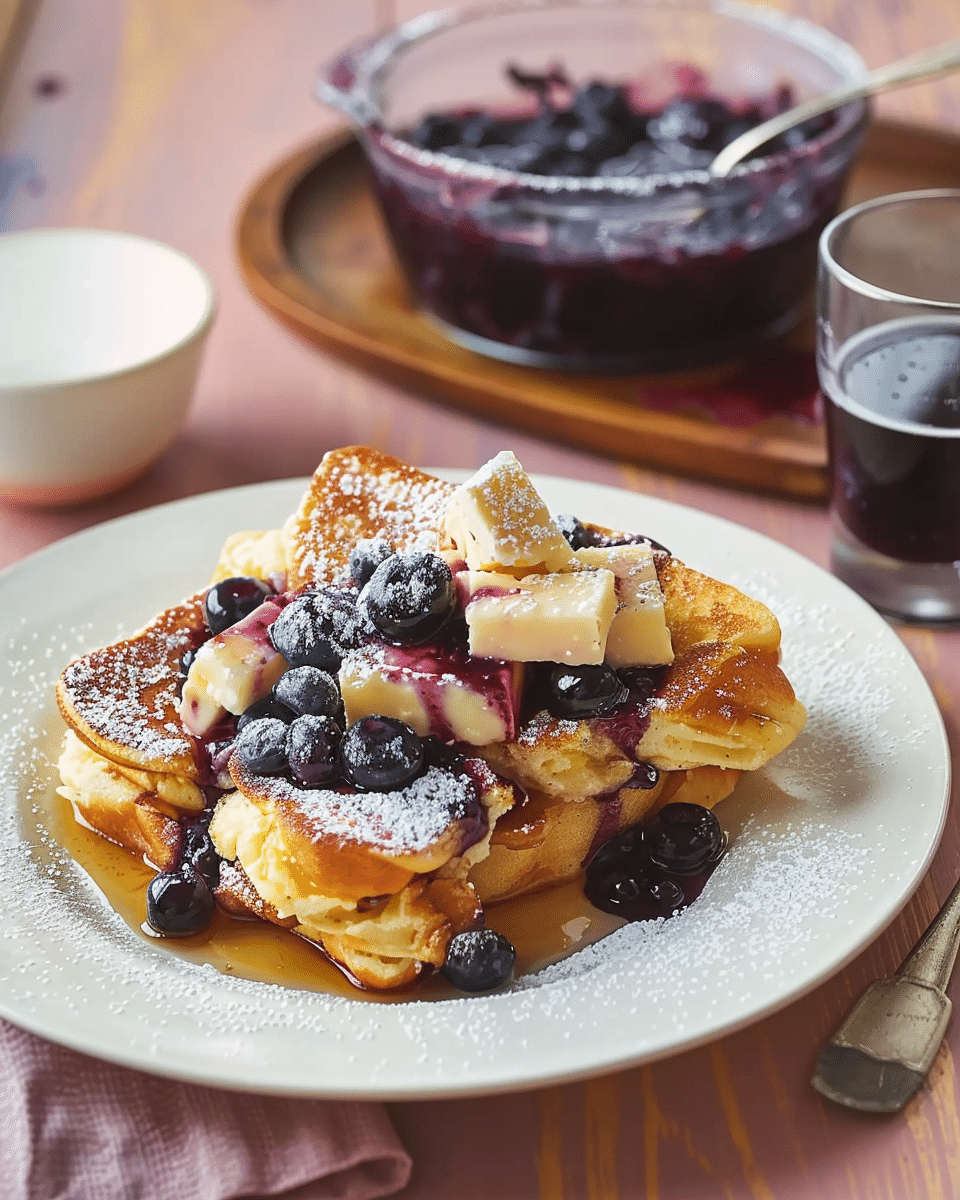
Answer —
(602, 273)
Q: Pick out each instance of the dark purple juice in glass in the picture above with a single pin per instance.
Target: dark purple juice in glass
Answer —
(894, 421)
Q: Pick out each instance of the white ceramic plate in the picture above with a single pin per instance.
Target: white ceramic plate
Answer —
(828, 842)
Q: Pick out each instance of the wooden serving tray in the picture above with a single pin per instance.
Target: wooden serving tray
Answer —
(312, 248)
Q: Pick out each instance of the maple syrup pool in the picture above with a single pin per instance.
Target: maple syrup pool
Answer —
(544, 928)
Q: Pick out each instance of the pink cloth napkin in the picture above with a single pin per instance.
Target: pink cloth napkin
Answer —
(75, 1128)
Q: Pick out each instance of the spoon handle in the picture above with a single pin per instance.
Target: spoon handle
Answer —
(928, 64)
(932, 959)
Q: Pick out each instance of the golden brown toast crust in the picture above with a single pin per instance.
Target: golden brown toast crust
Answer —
(358, 492)
(699, 608)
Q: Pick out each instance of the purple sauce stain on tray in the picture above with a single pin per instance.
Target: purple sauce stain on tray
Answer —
(781, 384)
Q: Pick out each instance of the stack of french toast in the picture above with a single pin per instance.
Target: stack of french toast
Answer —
(414, 700)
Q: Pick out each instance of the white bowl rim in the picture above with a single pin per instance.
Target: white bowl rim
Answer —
(194, 333)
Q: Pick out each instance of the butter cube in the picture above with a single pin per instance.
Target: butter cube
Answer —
(498, 522)
(638, 635)
(437, 690)
(562, 618)
(232, 670)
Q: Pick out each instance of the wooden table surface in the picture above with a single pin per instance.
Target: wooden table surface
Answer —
(156, 117)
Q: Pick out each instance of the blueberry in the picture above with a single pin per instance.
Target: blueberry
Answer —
(643, 682)
(409, 598)
(644, 777)
(690, 123)
(479, 129)
(187, 658)
(262, 746)
(634, 894)
(199, 853)
(599, 105)
(366, 556)
(230, 600)
(435, 131)
(378, 754)
(585, 691)
(309, 690)
(574, 530)
(317, 629)
(312, 751)
(478, 960)
(266, 706)
(619, 853)
(684, 839)
(218, 754)
(439, 754)
(179, 903)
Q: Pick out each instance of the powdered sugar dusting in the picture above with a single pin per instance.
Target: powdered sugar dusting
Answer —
(361, 494)
(405, 821)
(123, 693)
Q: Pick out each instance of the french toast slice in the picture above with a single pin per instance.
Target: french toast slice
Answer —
(376, 879)
(122, 699)
(129, 768)
(358, 493)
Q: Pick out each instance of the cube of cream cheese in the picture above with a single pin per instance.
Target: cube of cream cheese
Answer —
(562, 618)
(638, 635)
(231, 671)
(437, 690)
(498, 522)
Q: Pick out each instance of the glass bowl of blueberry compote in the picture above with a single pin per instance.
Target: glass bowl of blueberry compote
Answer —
(542, 171)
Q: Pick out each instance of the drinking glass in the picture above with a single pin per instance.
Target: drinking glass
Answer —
(888, 359)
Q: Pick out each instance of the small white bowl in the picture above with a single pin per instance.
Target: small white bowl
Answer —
(100, 342)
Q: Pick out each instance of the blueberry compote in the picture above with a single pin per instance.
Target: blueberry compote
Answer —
(657, 868)
(633, 267)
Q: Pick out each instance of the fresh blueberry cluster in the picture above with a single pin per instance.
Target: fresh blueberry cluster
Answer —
(653, 870)
(595, 129)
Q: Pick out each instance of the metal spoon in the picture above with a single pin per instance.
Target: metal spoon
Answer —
(882, 1052)
(926, 65)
